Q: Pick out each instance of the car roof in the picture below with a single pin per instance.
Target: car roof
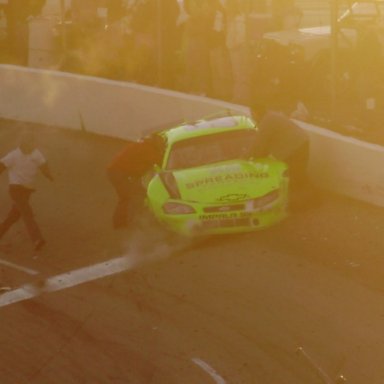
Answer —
(207, 127)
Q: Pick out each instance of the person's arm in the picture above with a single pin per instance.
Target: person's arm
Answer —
(45, 170)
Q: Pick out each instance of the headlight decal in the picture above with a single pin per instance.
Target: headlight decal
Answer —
(170, 183)
(174, 208)
(264, 200)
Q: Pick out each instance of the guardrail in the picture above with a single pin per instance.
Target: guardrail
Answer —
(118, 109)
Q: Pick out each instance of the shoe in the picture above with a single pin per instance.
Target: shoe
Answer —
(39, 244)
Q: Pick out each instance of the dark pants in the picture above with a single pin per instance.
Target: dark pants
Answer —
(128, 190)
(21, 210)
(297, 163)
(303, 194)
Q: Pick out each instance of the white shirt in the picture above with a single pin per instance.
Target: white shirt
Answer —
(22, 168)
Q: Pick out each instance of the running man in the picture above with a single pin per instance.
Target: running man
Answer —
(22, 165)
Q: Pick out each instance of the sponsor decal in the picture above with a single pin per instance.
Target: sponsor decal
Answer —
(233, 197)
(215, 216)
(232, 215)
(225, 179)
(224, 169)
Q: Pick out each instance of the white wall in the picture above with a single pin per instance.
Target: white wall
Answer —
(106, 107)
(346, 165)
(342, 164)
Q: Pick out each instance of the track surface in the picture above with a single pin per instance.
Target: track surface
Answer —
(230, 310)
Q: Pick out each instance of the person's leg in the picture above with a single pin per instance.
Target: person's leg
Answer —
(298, 164)
(12, 217)
(123, 187)
(137, 201)
(20, 197)
(303, 194)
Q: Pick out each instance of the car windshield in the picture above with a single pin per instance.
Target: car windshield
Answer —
(213, 148)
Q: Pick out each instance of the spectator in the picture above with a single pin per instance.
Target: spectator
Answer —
(197, 46)
(143, 24)
(284, 13)
(85, 53)
(116, 45)
(237, 43)
(169, 42)
(367, 75)
(17, 13)
(22, 165)
(220, 62)
(291, 19)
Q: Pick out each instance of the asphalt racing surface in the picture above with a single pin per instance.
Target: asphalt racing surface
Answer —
(300, 303)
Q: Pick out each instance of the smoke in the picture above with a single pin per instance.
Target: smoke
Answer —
(149, 242)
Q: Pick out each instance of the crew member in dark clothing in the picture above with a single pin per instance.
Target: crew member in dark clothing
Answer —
(280, 137)
(286, 141)
(125, 172)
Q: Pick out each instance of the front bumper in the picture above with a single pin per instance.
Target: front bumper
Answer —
(229, 222)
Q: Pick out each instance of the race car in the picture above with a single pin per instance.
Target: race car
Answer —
(208, 181)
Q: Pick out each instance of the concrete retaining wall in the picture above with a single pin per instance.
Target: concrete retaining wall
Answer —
(338, 163)
(106, 107)
(346, 165)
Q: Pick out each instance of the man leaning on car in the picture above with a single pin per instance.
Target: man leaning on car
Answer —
(125, 171)
(279, 136)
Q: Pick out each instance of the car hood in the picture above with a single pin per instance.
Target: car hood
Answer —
(230, 181)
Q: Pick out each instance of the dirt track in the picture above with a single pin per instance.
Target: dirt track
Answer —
(232, 310)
